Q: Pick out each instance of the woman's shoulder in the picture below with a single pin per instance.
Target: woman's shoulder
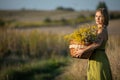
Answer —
(102, 30)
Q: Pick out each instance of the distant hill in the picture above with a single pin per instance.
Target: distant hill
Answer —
(32, 18)
(33, 15)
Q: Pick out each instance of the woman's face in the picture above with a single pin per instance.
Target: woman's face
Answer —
(99, 18)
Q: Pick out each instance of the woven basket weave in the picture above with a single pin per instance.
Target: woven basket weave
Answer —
(75, 46)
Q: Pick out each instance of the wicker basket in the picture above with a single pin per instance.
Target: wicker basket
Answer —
(75, 46)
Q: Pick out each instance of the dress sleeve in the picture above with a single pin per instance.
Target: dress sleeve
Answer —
(99, 39)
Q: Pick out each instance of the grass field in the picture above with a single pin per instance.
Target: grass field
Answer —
(42, 53)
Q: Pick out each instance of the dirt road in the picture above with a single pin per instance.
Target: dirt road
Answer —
(113, 28)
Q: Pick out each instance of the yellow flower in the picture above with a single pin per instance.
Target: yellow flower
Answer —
(84, 34)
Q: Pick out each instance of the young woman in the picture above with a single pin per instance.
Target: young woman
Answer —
(98, 64)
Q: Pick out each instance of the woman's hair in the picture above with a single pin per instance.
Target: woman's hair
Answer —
(105, 14)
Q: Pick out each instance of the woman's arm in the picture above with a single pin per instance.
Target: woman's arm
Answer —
(97, 42)
(92, 46)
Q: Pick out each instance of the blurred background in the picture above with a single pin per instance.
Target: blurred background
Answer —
(32, 45)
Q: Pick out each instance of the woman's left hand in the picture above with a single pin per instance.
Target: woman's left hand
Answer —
(78, 52)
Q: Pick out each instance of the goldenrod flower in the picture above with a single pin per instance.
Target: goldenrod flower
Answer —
(85, 34)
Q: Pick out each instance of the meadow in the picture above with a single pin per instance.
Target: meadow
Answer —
(42, 56)
(42, 53)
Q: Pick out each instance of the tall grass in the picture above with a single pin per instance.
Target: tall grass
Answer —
(31, 44)
(113, 53)
(23, 45)
(19, 49)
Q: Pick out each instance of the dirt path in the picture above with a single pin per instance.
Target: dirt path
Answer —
(113, 28)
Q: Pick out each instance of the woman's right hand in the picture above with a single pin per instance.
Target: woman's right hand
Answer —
(78, 53)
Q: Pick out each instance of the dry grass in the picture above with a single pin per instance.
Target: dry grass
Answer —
(17, 42)
(77, 69)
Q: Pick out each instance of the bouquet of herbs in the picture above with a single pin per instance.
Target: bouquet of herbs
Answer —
(82, 37)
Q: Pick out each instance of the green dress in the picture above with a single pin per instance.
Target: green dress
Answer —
(98, 65)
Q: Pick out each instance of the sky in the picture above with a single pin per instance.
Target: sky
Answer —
(53, 4)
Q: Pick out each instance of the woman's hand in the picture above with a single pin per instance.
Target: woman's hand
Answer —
(78, 52)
